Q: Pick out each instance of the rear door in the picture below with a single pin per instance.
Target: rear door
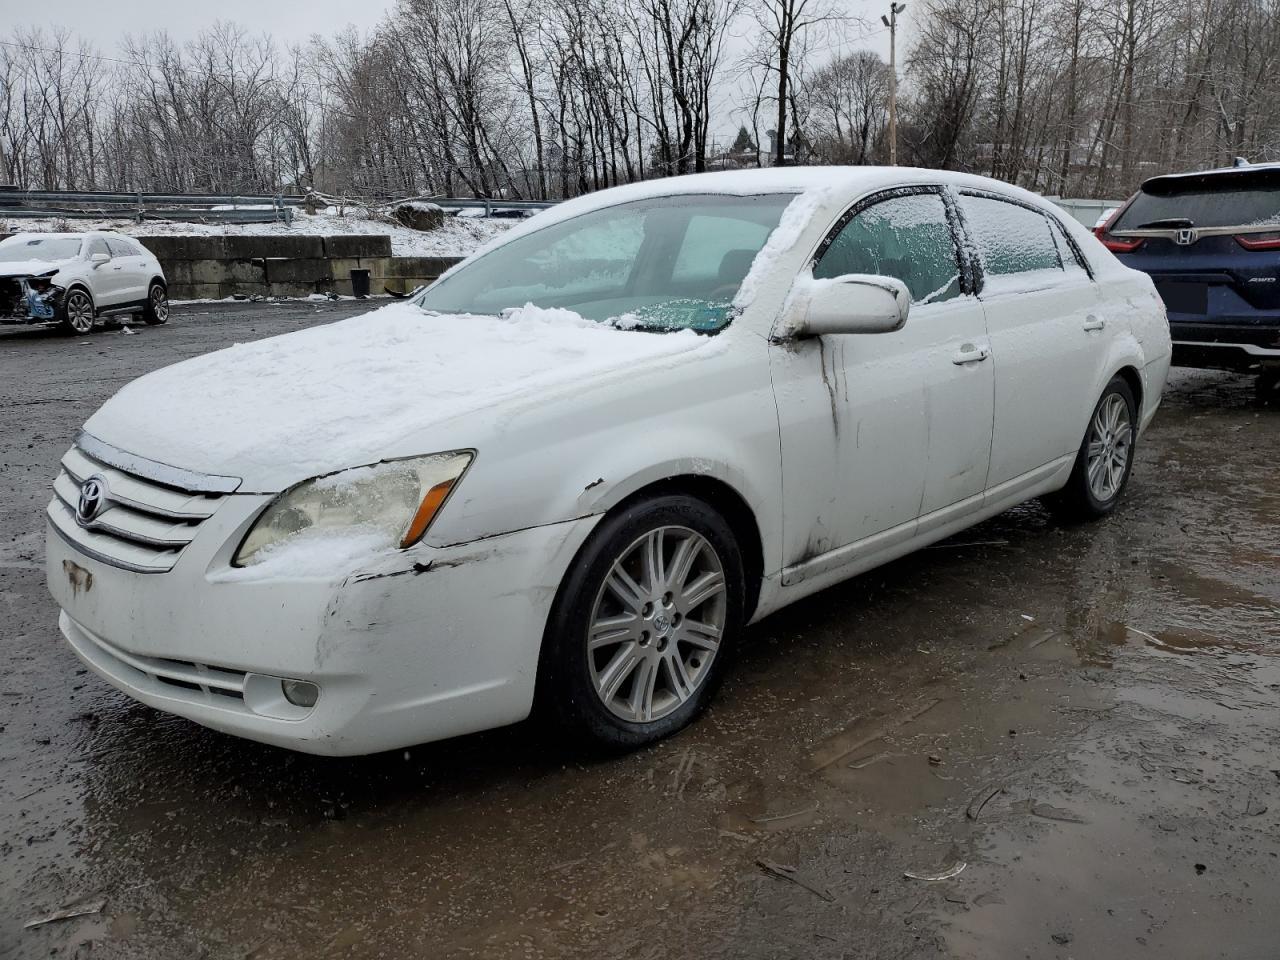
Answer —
(1047, 336)
(127, 264)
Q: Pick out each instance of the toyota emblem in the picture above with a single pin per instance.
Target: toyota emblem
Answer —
(93, 497)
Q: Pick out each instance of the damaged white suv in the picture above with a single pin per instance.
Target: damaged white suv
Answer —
(74, 279)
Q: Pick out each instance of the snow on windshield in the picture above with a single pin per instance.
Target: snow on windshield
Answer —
(342, 394)
(45, 249)
(666, 262)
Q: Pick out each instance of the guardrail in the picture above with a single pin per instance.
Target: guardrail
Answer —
(223, 208)
(85, 205)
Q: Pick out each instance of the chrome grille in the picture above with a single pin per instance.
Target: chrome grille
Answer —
(143, 524)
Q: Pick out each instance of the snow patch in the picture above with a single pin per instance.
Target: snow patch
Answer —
(344, 394)
(457, 237)
(312, 555)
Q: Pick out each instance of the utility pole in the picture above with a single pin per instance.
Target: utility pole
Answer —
(891, 21)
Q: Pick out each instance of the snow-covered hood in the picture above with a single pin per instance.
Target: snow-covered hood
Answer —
(277, 411)
(33, 268)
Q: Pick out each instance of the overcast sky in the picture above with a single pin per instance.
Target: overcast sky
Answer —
(289, 21)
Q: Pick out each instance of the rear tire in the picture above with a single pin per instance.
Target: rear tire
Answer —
(1105, 458)
(1267, 388)
(157, 309)
(644, 624)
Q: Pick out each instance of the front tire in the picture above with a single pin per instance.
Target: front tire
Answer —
(644, 624)
(157, 309)
(1105, 458)
(78, 313)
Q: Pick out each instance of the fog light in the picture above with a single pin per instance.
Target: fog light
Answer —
(300, 693)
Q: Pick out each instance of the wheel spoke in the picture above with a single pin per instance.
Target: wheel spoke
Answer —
(681, 683)
(654, 575)
(697, 633)
(619, 668)
(642, 691)
(611, 630)
(681, 562)
(701, 590)
(626, 589)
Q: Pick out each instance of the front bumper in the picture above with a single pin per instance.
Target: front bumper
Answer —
(22, 303)
(425, 644)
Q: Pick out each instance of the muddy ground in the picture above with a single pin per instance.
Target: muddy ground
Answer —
(1086, 718)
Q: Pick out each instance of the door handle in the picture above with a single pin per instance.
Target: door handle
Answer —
(1092, 322)
(970, 354)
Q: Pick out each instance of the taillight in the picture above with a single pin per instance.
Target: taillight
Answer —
(1116, 244)
(1260, 241)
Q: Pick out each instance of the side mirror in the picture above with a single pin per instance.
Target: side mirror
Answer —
(853, 303)
(98, 259)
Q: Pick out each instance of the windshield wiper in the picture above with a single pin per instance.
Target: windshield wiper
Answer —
(1172, 223)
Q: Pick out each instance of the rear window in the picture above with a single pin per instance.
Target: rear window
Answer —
(1224, 201)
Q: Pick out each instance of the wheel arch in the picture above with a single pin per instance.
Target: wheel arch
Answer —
(1131, 376)
(83, 287)
(160, 280)
(731, 505)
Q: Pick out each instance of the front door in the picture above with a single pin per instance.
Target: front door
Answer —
(880, 429)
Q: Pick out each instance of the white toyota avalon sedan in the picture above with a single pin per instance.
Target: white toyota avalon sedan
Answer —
(573, 469)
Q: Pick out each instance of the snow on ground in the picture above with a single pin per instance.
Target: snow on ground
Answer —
(458, 237)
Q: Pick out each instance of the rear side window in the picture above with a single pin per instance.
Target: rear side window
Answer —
(1011, 238)
(906, 237)
(1071, 260)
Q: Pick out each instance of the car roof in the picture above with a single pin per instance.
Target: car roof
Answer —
(1244, 176)
(833, 185)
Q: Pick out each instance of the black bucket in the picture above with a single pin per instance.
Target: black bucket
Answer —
(360, 283)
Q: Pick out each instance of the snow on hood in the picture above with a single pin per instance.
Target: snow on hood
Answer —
(29, 268)
(280, 410)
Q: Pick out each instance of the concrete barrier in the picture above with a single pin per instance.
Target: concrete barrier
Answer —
(216, 267)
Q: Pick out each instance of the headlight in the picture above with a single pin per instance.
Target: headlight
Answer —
(396, 499)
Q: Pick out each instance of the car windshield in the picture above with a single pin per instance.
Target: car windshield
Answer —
(666, 263)
(18, 249)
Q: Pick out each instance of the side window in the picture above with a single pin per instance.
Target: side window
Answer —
(98, 245)
(1010, 238)
(907, 237)
(120, 249)
(1071, 261)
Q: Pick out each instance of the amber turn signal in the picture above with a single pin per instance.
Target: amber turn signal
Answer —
(431, 505)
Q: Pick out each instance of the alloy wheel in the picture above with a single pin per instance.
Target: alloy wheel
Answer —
(79, 312)
(159, 305)
(657, 624)
(1110, 447)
